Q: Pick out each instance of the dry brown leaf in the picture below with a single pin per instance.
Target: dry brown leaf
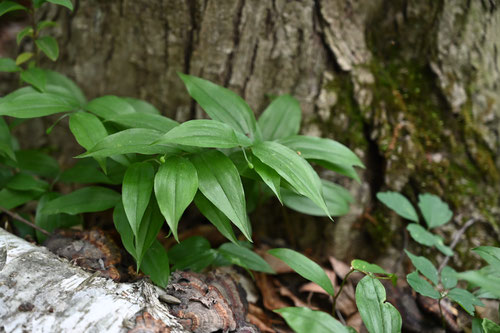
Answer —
(270, 297)
(314, 288)
(259, 323)
(340, 267)
(355, 321)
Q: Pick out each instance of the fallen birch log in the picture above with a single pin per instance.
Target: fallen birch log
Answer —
(39, 292)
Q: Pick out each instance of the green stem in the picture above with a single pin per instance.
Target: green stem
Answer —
(334, 314)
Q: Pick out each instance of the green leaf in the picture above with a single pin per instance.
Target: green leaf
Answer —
(141, 106)
(52, 222)
(304, 320)
(65, 3)
(305, 267)
(424, 266)
(150, 225)
(313, 148)
(10, 199)
(489, 253)
(107, 107)
(194, 244)
(281, 118)
(243, 257)
(215, 216)
(84, 172)
(124, 229)
(23, 57)
(420, 235)
(43, 25)
(269, 176)
(367, 267)
(85, 200)
(378, 315)
(49, 46)
(477, 326)
(222, 105)
(435, 211)
(421, 286)
(36, 77)
(6, 143)
(25, 182)
(34, 105)
(399, 204)
(337, 200)
(8, 65)
(294, 169)
(196, 262)
(447, 251)
(145, 120)
(134, 140)
(448, 277)
(487, 282)
(9, 6)
(220, 183)
(465, 299)
(63, 87)
(205, 133)
(38, 163)
(489, 326)
(155, 264)
(136, 191)
(175, 184)
(28, 31)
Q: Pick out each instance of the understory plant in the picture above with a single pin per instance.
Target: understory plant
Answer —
(161, 165)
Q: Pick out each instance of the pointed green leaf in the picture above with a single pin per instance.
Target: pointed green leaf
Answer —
(25, 182)
(141, 106)
(215, 216)
(489, 253)
(34, 105)
(205, 133)
(378, 315)
(281, 118)
(424, 266)
(63, 87)
(448, 277)
(49, 46)
(446, 250)
(490, 326)
(9, 6)
(293, 168)
(8, 65)
(65, 3)
(133, 140)
(10, 199)
(465, 299)
(124, 229)
(269, 176)
(150, 226)
(107, 107)
(52, 222)
(155, 264)
(399, 204)
(23, 57)
(305, 267)
(305, 320)
(489, 283)
(222, 105)
(84, 172)
(36, 77)
(175, 184)
(88, 130)
(136, 191)
(220, 183)
(421, 286)
(85, 200)
(6, 143)
(194, 244)
(43, 25)
(243, 257)
(28, 31)
(337, 200)
(420, 235)
(366, 267)
(38, 163)
(435, 211)
(145, 120)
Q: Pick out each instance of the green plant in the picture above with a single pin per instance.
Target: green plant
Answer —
(163, 166)
(442, 283)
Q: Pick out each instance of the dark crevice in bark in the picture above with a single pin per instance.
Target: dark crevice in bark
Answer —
(166, 30)
(375, 164)
(321, 24)
(68, 22)
(252, 68)
(236, 42)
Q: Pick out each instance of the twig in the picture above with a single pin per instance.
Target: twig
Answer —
(454, 243)
(23, 220)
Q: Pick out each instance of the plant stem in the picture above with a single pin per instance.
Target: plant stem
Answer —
(23, 220)
(340, 290)
(35, 32)
(443, 322)
(454, 243)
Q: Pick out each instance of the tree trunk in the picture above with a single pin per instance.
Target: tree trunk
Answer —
(41, 293)
(410, 85)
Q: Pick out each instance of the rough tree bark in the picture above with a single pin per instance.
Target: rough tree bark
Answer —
(410, 85)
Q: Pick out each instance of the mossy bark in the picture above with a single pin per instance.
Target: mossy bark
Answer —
(410, 85)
